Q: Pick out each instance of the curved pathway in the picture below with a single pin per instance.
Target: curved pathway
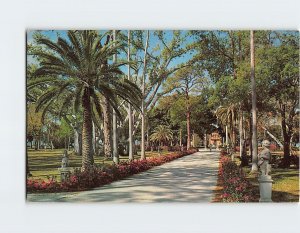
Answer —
(188, 179)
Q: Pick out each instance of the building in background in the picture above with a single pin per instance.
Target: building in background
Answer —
(215, 139)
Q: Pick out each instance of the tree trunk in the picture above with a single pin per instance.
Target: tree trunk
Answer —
(143, 156)
(241, 133)
(115, 126)
(243, 153)
(38, 143)
(147, 138)
(254, 115)
(94, 138)
(87, 156)
(233, 137)
(193, 139)
(273, 137)
(250, 137)
(69, 141)
(77, 141)
(180, 138)
(226, 132)
(115, 139)
(188, 118)
(106, 127)
(130, 138)
(286, 139)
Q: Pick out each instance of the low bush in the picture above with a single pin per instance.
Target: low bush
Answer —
(98, 176)
(235, 186)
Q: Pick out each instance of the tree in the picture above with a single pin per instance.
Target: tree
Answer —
(130, 120)
(115, 125)
(65, 132)
(161, 60)
(143, 155)
(227, 117)
(76, 71)
(186, 81)
(162, 134)
(254, 120)
(279, 66)
(34, 125)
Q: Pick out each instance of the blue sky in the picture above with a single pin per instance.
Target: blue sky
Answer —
(153, 42)
(53, 35)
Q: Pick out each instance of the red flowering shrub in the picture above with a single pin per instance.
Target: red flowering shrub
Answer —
(97, 177)
(273, 147)
(235, 186)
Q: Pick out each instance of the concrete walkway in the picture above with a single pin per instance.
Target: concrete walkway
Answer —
(189, 179)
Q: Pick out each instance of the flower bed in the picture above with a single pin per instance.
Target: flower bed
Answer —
(97, 177)
(235, 186)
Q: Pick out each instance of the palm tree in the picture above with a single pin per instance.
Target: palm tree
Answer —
(161, 134)
(76, 70)
(227, 116)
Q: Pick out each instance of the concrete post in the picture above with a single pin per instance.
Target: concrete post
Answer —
(265, 188)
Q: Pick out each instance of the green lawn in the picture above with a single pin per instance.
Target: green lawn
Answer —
(44, 164)
(285, 187)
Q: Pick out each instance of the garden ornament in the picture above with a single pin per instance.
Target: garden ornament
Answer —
(65, 160)
(264, 158)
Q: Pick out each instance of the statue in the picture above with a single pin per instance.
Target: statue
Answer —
(65, 160)
(64, 170)
(264, 158)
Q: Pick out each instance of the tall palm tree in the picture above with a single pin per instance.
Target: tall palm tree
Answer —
(161, 134)
(254, 114)
(76, 70)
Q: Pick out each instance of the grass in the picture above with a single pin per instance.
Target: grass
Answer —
(285, 187)
(44, 164)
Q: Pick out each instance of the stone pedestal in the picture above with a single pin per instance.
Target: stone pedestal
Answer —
(265, 188)
(65, 174)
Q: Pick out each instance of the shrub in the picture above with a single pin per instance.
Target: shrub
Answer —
(96, 177)
(235, 186)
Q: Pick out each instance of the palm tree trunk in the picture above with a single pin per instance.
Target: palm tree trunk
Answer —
(143, 156)
(130, 138)
(254, 115)
(106, 127)
(87, 127)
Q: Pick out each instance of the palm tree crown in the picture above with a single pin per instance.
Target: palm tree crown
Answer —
(162, 134)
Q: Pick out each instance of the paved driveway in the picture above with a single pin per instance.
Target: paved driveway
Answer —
(188, 179)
